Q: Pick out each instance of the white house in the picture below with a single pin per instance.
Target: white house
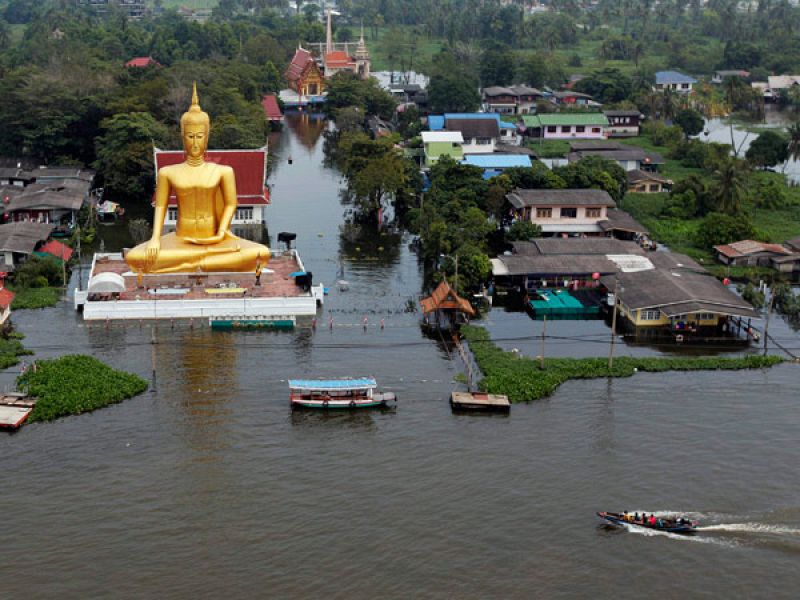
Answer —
(675, 81)
(563, 212)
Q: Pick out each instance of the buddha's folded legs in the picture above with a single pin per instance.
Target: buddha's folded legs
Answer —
(176, 256)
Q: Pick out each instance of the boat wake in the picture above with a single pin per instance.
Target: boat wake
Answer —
(683, 538)
(751, 528)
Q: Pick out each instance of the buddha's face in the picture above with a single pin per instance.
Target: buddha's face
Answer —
(195, 139)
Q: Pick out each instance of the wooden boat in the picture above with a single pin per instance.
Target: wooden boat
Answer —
(337, 393)
(284, 322)
(679, 525)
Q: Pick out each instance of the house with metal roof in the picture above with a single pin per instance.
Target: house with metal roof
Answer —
(19, 240)
(512, 100)
(55, 201)
(630, 158)
(436, 144)
(561, 126)
(683, 303)
(480, 135)
(623, 123)
(675, 81)
(562, 212)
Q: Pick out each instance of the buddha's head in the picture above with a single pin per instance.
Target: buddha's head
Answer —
(195, 126)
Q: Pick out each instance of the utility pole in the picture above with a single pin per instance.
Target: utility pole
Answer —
(613, 326)
(766, 323)
(456, 273)
(544, 332)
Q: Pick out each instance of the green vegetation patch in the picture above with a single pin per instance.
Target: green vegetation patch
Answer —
(522, 380)
(34, 297)
(10, 351)
(75, 384)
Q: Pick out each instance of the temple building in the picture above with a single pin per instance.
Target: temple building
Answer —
(303, 75)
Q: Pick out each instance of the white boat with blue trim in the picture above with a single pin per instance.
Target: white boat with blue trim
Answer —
(337, 393)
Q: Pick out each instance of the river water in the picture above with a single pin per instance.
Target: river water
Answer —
(208, 485)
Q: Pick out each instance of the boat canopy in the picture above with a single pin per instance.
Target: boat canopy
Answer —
(333, 384)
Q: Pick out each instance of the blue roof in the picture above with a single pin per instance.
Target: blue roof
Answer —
(436, 122)
(504, 125)
(332, 384)
(497, 161)
(493, 116)
(668, 77)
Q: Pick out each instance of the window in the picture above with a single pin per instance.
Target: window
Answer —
(650, 315)
(172, 214)
(593, 213)
(566, 128)
(483, 141)
(654, 187)
(706, 316)
(569, 213)
(544, 213)
(244, 214)
(595, 130)
(685, 86)
(580, 128)
(552, 129)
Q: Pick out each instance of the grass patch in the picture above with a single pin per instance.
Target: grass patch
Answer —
(75, 384)
(426, 49)
(34, 297)
(522, 380)
(549, 148)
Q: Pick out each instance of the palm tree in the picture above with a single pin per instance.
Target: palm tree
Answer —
(731, 183)
(794, 144)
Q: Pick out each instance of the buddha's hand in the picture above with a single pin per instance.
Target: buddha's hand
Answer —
(208, 241)
(151, 250)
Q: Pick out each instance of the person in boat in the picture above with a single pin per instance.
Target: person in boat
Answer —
(636, 517)
(652, 520)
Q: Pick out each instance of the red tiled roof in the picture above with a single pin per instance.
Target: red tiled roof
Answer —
(443, 297)
(271, 108)
(142, 61)
(57, 249)
(299, 62)
(338, 58)
(249, 167)
(6, 297)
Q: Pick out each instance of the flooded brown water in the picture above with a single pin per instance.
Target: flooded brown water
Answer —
(208, 485)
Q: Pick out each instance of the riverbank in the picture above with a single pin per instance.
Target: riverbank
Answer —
(522, 379)
(75, 384)
(11, 349)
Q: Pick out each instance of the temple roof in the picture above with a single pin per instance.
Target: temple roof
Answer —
(444, 298)
(338, 59)
(300, 61)
(249, 167)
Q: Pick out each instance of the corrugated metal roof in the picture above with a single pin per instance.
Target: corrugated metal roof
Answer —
(442, 136)
(497, 161)
(670, 77)
(565, 119)
(332, 384)
(582, 197)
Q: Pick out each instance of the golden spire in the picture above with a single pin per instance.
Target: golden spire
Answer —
(195, 107)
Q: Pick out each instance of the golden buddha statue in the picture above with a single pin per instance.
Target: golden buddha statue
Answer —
(206, 194)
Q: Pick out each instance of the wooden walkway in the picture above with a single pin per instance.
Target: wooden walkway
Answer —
(14, 409)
